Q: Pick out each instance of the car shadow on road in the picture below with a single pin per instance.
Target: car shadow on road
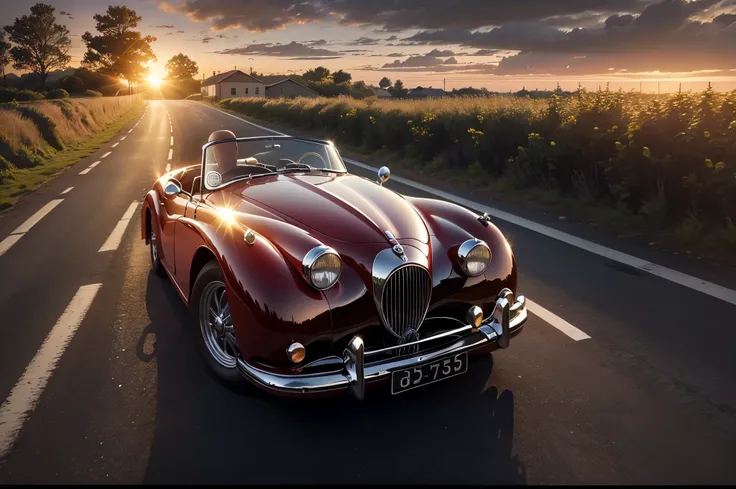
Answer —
(456, 431)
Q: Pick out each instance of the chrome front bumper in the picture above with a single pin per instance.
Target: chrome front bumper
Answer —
(357, 370)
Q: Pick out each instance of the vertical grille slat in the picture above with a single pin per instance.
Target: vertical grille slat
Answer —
(405, 299)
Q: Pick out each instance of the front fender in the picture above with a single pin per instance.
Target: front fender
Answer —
(272, 304)
(449, 225)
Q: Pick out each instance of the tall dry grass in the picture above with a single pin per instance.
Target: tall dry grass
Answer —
(31, 131)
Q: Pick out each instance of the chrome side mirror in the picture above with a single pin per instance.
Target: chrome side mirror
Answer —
(172, 188)
(383, 175)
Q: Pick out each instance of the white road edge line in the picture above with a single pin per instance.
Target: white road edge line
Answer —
(24, 397)
(107, 154)
(556, 321)
(115, 145)
(172, 140)
(695, 283)
(8, 242)
(85, 171)
(131, 130)
(171, 153)
(116, 236)
(123, 138)
(66, 191)
(168, 167)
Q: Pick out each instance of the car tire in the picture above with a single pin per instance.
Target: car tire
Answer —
(154, 252)
(209, 282)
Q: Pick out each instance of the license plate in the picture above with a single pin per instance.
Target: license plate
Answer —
(411, 378)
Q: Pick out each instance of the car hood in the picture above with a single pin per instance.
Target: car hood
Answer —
(342, 206)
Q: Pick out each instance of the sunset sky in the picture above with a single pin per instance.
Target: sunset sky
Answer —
(498, 44)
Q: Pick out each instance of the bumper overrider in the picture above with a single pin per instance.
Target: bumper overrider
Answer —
(508, 316)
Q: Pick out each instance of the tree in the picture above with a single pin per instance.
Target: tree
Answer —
(41, 45)
(398, 89)
(4, 56)
(181, 67)
(119, 50)
(317, 74)
(341, 77)
(384, 83)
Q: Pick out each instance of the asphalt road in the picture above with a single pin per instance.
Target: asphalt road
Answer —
(102, 383)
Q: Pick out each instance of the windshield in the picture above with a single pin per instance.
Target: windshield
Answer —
(235, 159)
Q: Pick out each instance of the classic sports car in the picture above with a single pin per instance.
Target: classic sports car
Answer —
(304, 279)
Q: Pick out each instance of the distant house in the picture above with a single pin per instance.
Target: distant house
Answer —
(381, 93)
(282, 86)
(421, 92)
(232, 83)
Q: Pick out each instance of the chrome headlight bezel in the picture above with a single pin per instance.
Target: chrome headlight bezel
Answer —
(311, 259)
(464, 252)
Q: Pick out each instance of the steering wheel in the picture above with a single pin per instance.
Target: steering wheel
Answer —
(312, 153)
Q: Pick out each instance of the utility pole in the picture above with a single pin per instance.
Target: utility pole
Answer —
(639, 87)
(657, 87)
(444, 84)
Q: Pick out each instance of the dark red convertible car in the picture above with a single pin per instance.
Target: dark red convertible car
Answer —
(301, 278)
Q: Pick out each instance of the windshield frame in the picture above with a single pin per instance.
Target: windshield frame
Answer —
(202, 184)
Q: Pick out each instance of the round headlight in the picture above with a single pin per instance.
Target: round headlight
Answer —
(474, 256)
(322, 267)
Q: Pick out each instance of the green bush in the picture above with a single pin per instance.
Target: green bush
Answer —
(57, 93)
(28, 95)
(46, 126)
(92, 93)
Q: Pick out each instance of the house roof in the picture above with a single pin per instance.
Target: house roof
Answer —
(380, 92)
(274, 80)
(214, 80)
(426, 92)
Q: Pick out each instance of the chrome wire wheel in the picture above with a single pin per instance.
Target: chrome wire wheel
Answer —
(216, 324)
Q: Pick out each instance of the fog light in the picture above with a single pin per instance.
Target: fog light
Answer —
(474, 316)
(296, 352)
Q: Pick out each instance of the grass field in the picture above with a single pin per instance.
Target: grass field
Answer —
(661, 164)
(40, 139)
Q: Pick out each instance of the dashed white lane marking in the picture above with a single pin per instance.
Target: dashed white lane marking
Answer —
(66, 191)
(131, 130)
(113, 241)
(8, 242)
(107, 154)
(172, 140)
(171, 153)
(168, 167)
(35, 218)
(23, 399)
(556, 321)
(87, 170)
(115, 145)
(123, 138)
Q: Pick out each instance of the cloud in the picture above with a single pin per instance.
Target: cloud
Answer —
(310, 58)
(164, 26)
(206, 40)
(294, 50)
(663, 37)
(485, 52)
(450, 61)
(395, 15)
(725, 19)
(431, 58)
(364, 41)
(251, 15)
(180, 32)
(389, 15)
(319, 42)
(392, 38)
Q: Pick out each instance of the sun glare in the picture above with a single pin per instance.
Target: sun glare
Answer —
(154, 81)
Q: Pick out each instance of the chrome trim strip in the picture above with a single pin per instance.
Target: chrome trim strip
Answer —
(356, 373)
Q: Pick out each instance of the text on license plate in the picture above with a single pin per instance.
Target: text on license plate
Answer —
(411, 378)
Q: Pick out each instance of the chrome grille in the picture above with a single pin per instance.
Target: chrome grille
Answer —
(405, 299)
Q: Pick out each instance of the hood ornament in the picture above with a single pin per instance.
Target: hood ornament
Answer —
(399, 250)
